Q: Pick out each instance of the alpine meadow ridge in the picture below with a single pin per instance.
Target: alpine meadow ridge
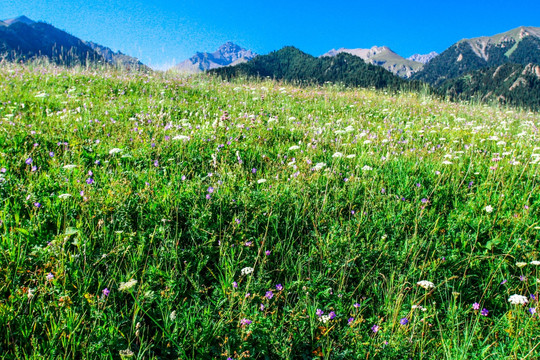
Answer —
(356, 205)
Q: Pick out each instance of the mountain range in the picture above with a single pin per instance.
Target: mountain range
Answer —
(24, 39)
(228, 54)
(385, 57)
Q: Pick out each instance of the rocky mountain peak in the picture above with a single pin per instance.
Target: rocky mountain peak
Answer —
(21, 19)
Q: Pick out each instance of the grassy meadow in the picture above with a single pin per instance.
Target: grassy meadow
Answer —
(153, 216)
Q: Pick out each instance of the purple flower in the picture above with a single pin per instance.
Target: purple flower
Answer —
(183, 177)
(237, 221)
(269, 294)
(345, 180)
(484, 312)
(81, 193)
(106, 292)
(90, 173)
(235, 284)
(210, 189)
(476, 306)
(424, 200)
(253, 170)
(319, 312)
(533, 296)
(208, 196)
(532, 311)
(522, 278)
(470, 184)
(261, 307)
(350, 321)
(89, 181)
(504, 281)
(375, 328)
(331, 315)
(36, 204)
(3, 170)
(245, 322)
(418, 185)
(34, 168)
(404, 321)
(50, 276)
(28, 161)
(356, 305)
(267, 252)
(51, 154)
(279, 287)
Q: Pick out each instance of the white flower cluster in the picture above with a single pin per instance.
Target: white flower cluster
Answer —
(324, 318)
(425, 284)
(127, 285)
(246, 270)
(319, 166)
(518, 299)
(115, 151)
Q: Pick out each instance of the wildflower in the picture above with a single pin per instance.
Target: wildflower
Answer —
(28, 161)
(294, 147)
(253, 170)
(484, 312)
(126, 353)
(488, 209)
(279, 287)
(517, 299)
(476, 306)
(324, 318)
(504, 281)
(267, 252)
(245, 322)
(34, 168)
(106, 292)
(208, 196)
(246, 270)
(356, 305)
(424, 200)
(89, 181)
(535, 262)
(375, 328)
(446, 162)
(69, 167)
(532, 311)
(51, 154)
(30, 293)
(156, 163)
(337, 154)
(50, 276)
(319, 166)
(180, 137)
(522, 278)
(260, 181)
(3, 170)
(319, 312)
(235, 284)
(425, 284)
(261, 307)
(404, 321)
(521, 264)
(332, 315)
(64, 196)
(127, 285)
(269, 294)
(36, 204)
(350, 321)
(367, 168)
(172, 316)
(115, 151)
(210, 189)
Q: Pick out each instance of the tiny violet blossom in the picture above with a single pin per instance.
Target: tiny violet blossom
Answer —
(245, 322)
(267, 252)
(350, 321)
(235, 284)
(106, 292)
(484, 312)
(89, 181)
(332, 315)
(404, 321)
(279, 287)
(375, 328)
(319, 312)
(50, 276)
(476, 306)
(269, 294)
(532, 311)
(261, 307)
(28, 161)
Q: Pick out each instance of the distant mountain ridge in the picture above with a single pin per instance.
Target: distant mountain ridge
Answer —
(385, 57)
(292, 65)
(24, 39)
(423, 58)
(519, 46)
(226, 55)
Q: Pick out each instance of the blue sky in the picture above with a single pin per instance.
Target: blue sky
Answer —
(162, 33)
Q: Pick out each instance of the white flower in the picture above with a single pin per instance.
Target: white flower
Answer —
(338, 154)
(517, 299)
(367, 142)
(351, 156)
(115, 151)
(425, 284)
(521, 264)
(127, 285)
(535, 262)
(31, 293)
(247, 270)
(489, 209)
(42, 95)
(319, 166)
(446, 162)
(367, 168)
(172, 316)
(260, 181)
(418, 307)
(69, 167)
(180, 137)
(126, 353)
(324, 318)
(64, 196)
(294, 147)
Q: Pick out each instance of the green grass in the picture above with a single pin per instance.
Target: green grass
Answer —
(184, 216)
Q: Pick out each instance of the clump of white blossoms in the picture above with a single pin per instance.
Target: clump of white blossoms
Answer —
(260, 181)
(338, 154)
(425, 284)
(64, 196)
(69, 166)
(180, 137)
(246, 270)
(294, 147)
(115, 151)
(319, 166)
(518, 299)
(324, 318)
(127, 285)
(521, 264)
(367, 168)
(535, 262)
(488, 209)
